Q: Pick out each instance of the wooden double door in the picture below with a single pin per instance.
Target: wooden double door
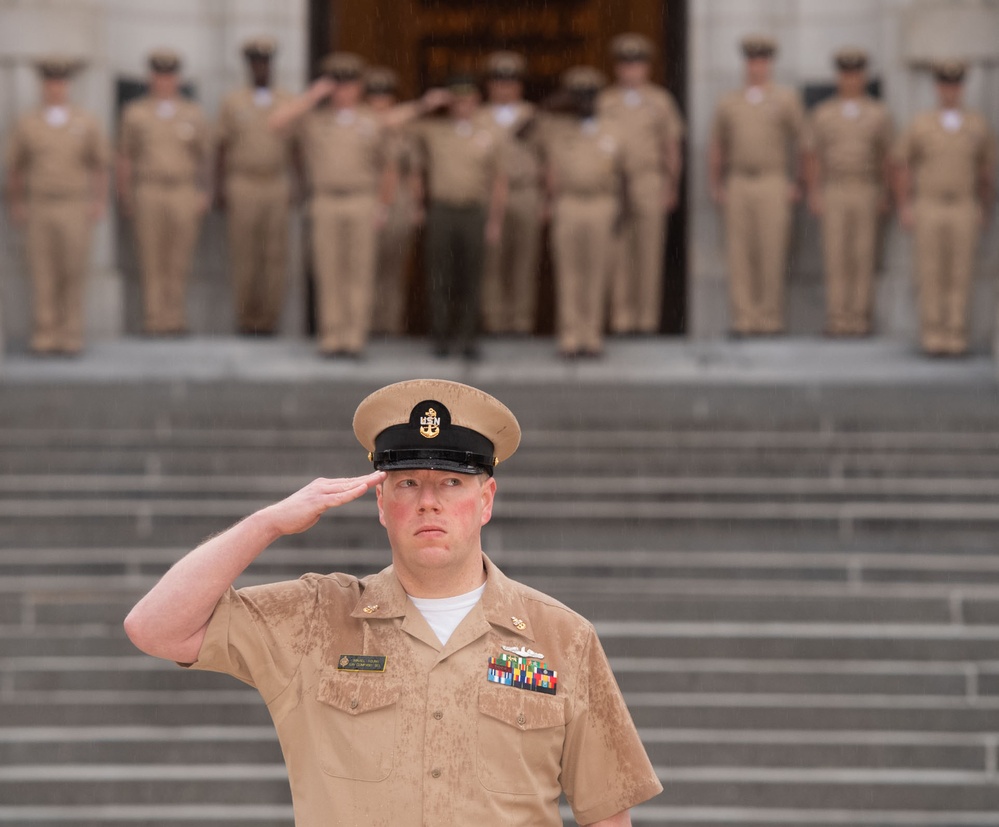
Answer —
(425, 41)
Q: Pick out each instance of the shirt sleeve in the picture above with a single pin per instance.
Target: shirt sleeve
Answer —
(100, 147)
(795, 116)
(16, 156)
(605, 769)
(675, 124)
(259, 634)
(128, 134)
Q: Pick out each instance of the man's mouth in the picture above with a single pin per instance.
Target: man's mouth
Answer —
(431, 529)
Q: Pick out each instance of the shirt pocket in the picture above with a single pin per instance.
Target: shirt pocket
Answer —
(520, 740)
(357, 722)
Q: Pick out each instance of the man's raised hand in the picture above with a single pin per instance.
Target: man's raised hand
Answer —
(302, 510)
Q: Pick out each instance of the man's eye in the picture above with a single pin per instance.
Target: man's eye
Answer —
(407, 483)
(452, 481)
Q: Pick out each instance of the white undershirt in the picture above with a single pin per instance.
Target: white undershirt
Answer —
(505, 114)
(56, 116)
(443, 614)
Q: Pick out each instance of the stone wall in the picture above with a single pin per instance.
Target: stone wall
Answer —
(902, 37)
(114, 36)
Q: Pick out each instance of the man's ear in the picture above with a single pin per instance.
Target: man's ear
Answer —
(488, 496)
(378, 497)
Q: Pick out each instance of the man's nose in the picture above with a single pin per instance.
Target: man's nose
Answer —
(429, 501)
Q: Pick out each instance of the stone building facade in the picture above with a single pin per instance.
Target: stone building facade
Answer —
(902, 36)
(115, 35)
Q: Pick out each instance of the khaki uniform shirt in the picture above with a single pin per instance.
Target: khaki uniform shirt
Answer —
(521, 162)
(946, 163)
(648, 118)
(462, 160)
(430, 740)
(344, 150)
(252, 147)
(851, 138)
(585, 157)
(59, 158)
(167, 141)
(757, 129)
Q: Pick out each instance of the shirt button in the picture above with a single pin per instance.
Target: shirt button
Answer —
(436, 773)
(438, 715)
(353, 703)
(521, 720)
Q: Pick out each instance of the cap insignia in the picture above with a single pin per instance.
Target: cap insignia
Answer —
(430, 424)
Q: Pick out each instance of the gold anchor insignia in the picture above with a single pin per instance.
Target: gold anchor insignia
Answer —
(519, 623)
(369, 609)
(430, 424)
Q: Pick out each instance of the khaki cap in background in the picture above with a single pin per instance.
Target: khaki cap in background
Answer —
(949, 70)
(342, 66)
(435, 424)
(164, 61)
(583, 79)
(505, 66)
(56, 67)
(850, 59)
(260, 48)
(380, 80)
(463, 83)
(758, 45)
(631, 47)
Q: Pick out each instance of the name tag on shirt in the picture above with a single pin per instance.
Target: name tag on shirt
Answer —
(361, 663)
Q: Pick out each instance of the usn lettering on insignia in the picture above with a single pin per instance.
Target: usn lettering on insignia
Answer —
(522, 673)
(361, 663)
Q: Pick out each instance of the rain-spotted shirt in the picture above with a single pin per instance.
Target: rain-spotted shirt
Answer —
(758, 129)
(252, 147)
(648, 119)
(58, 155)
(462, 159)
(167, 141)
(381, 725)
(947, 154)
(851, 137)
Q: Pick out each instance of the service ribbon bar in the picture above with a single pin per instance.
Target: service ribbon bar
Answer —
(522, 673)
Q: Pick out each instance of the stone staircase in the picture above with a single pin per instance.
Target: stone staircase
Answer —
(797, 588)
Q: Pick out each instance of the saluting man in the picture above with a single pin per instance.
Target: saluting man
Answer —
(437, 691)
(584, 172)
(753, 172)
(162, 179)
(848, 170)
(466, 192)
(254, 189)
(652, 129)
(346, 164)
(944, 189)
(510, 275)
(57, 164)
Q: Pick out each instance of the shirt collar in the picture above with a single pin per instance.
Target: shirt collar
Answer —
(502, 602)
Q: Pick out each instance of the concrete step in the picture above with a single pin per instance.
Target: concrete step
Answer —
(679, 749)
(157, 815)
(104, 784)
(845, 790)
(43, 745)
